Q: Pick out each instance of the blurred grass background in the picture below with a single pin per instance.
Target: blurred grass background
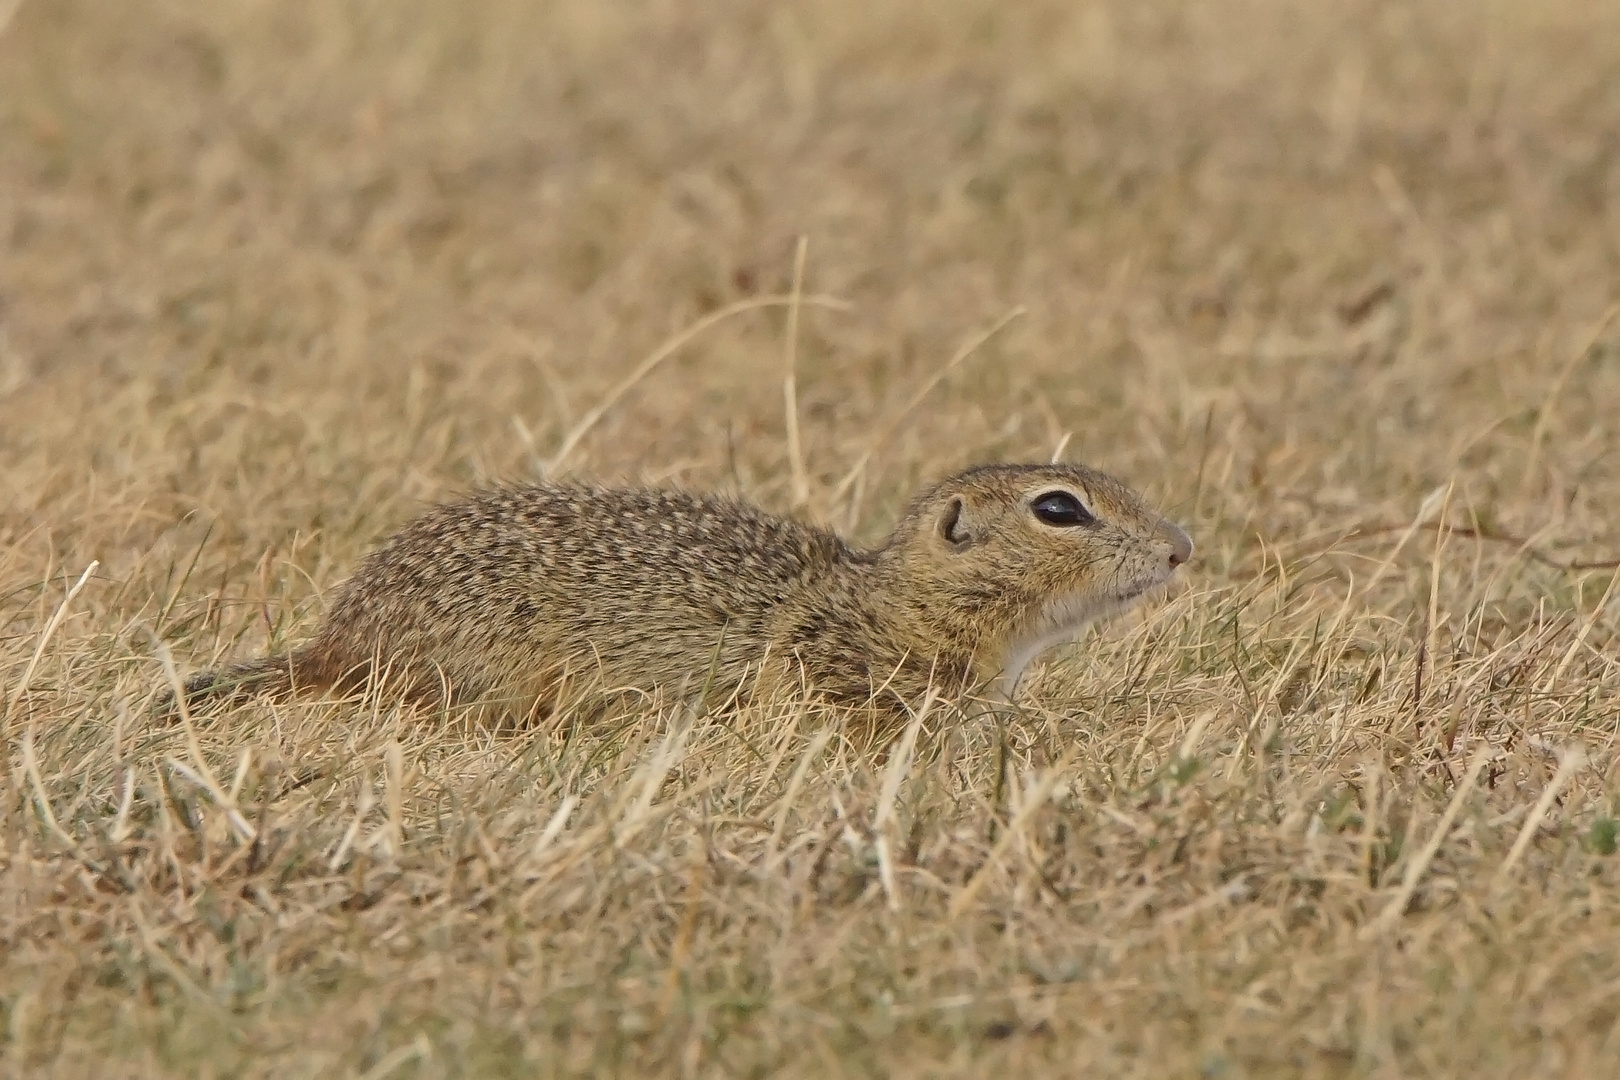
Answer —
(1330, 283)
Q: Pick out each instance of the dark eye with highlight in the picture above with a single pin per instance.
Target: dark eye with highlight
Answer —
(1061, 509)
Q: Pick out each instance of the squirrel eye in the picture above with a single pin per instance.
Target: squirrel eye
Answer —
(1061, 508)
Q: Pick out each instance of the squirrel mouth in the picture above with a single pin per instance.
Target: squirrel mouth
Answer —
(1142, 587)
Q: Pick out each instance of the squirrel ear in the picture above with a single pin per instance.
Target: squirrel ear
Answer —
(956, 525)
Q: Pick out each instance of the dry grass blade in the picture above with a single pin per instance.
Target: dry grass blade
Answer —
(51, 626)
(1570, 762)
(887, 432)
(647, 782)
(554, 826)
(42, 801)
(818, 743)
(670, 348)
(790, 378)
(198, 772)
(1580, 638)
(1420, 864)
(394, 778)
(1033, 802)
(1433, 501)
(1545, 413)
(1525, 546)
(362, 807)
(418, 1049)
(1195, 735)
(1062, 445)
(894, 774)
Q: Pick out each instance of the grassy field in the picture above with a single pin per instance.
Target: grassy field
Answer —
(1331, 283)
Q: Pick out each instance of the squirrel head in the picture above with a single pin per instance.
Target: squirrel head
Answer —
(1013, 559)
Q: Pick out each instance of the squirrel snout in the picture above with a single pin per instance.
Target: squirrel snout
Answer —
(1181, 545)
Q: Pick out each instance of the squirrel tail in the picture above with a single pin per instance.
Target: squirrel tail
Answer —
(267, 676)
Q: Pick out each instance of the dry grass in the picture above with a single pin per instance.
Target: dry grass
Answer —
(1329, 281)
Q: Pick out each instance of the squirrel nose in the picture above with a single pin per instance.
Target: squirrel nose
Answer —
(1181, 545)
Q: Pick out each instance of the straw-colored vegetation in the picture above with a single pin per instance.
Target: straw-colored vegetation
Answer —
(1330, 282)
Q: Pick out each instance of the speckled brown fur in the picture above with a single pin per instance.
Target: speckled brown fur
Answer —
(500, 598)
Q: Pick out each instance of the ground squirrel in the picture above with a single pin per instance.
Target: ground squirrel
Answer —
(504, 596)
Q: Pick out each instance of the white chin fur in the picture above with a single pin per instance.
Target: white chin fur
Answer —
(1063, 620)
